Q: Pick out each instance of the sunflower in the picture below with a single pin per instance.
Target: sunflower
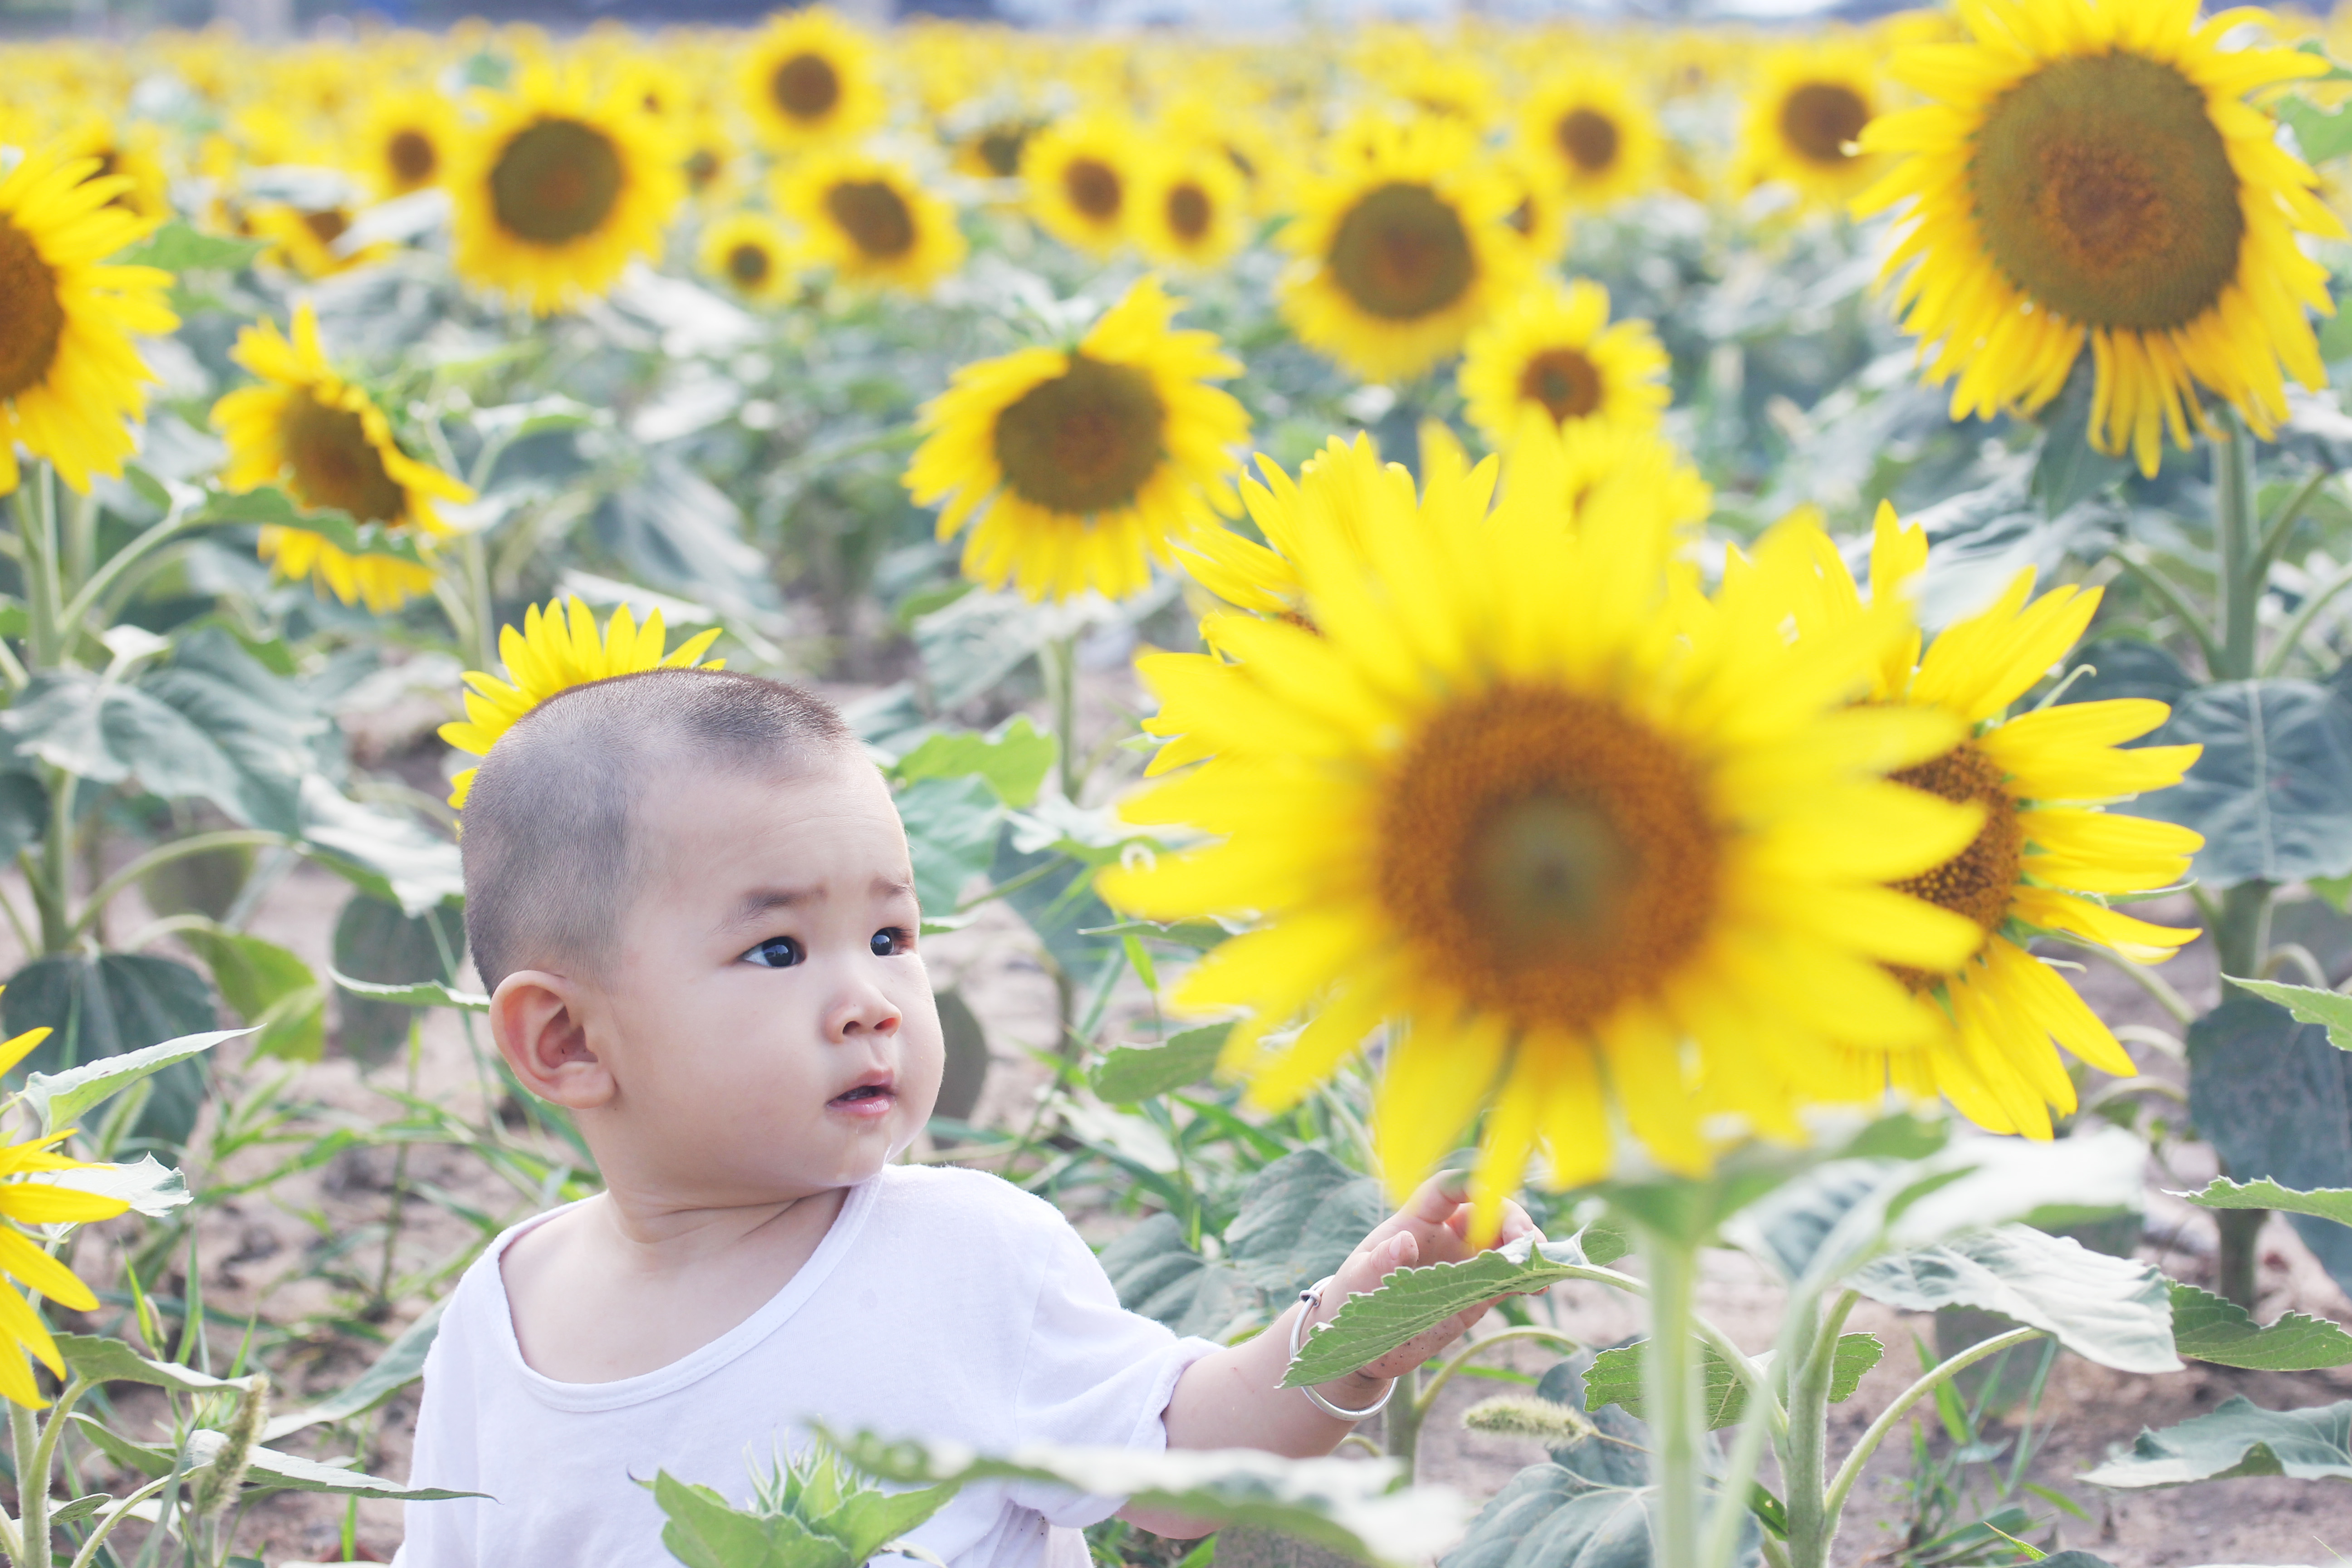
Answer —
(404, 141)
(1238, 133)
(555, 651)
(1191, 209)
(1087, 462)
(1555, 351)
(324, 439)
(1594, 135)
(870, 220)
(2047, 856)
(2094, 171)
(991, 149)
(1572, 849)
(710, 160)
(305, 238)
(811, 78)
(1081, 175)
(130, 152)
(69, 376)
(1538, 217)
(555, 192)
(1401, 248)
(749, 252)
(1807, 110)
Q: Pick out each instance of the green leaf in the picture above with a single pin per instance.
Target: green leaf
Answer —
(1158, 1274)
(269, 507)
(82, 1508)
(951, 827)
(389, 858)
(178, 247)
(147, 1185)
(379, 943)
(62, 1100)
(423, 994)
(1411, 1300)
(702, 1530)
(402, 1363)
(2239, 1439)
(2323, 134)
(270, 1470)
(1615, 1378)
(2268, 792)
(1548, 1516)
(1300, 1219)
(2107, 1309)
(24, 812)
(2206, 1327)
(965, 1048)
(2275, 1098)
(251, 973)
(869, 1519)
(1129, 1073)
(2069, 469)
(2324, 1202)
(1014, 758)
(2331, 1010)
(111, 1361)
(105, 1007)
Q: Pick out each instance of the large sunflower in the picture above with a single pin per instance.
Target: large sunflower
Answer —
(404, 141)
(1403, 248)
(1555, 351)
(2048, 856)
(1807, 107)
(556, 191)
(555, 652)
(1572, 847)
(1596, 138)
(1191, 209)
(325, 440)
(1081, 175)
(1087, 462)
(69, 376)
(811, 79)
(871, 221)
(751, 254)
(2094, 171)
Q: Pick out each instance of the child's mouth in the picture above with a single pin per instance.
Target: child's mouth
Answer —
(865, 1099)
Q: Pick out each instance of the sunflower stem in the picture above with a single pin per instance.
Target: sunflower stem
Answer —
(32, 1490)
(1671, 1390)
(2241, 938)
(1058, 660)
(2235, 527)
(477, 591)
(37, 529)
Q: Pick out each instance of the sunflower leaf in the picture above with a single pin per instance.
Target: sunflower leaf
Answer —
(110, 1361)
(2324, 1203)
(178, 247)
(2206, 1327)
(147, 1185)
(2105, 1310)
(2332, 1010)
(1131, 1073)
(62, 1100)
(2239, 1439)
(1615, 1378)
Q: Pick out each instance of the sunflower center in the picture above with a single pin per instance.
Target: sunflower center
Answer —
(701, 168)
(999, 149)
(1589, 140)
(1979, 881)
(1564, 381)
(874, 216)
(556, 181)
(806, 87)
(748, 264)
(1554, 855)
(335, 464)
(412, 157)
(32, 321)
(1188, 212)
(2104, 192)
(1093, 187)
(1084, 442)
(327, 225)
(1401, 252)
(1820, 118)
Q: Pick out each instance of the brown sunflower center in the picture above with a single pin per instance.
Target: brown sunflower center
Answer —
(1549, 854)
(2104, 192)
(806, 87)
(1188, 212)
(556, 181)
(335, 465)
(1589, 140)
(1401, 252)
(412, 157)
(1820, 118)
(327, 225)
(1979, 880)
(32, 318)
(999, 149)
(1084, 442)
(1094, 188)
(1564, 381)
(874, 216)
(701, 167)
(747, 264)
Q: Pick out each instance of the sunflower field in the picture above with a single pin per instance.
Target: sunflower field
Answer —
(1740, 632)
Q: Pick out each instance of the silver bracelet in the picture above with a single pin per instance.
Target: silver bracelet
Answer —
(1308, 1300)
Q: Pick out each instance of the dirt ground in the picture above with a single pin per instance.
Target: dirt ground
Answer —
(260, 1253)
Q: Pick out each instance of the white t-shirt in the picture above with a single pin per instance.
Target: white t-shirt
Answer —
(943, 1303)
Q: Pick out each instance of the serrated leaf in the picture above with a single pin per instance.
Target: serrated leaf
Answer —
(2206, 1327)
(2332, 1010)
(1300, 1219)
(2107, 1309)
(1014, 758)
(1547, 1516)
(1130, 1073)
(110, 1361)
(269, 1470)
(2325, 1203)
(106, 1006)
(1615, 1378)
(147, 1185)
(391, 857)
(2240, 1438)
(250, 973)
(62, 1100)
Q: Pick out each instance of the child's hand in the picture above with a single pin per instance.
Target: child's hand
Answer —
(1431, 1228)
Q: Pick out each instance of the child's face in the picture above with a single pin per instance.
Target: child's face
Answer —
(767, 1023)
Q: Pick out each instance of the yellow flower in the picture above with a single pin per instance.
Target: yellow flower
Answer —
(555, 652)
(1575, 849)
(748, 252)
(871, 221)
(405, 140)
(555, 192)
(1594, 135)
(306, 238)
(1403, 248)
(325, 440)
(2048, 856)
(708, 159)
(1809, 104)
(1081, 175)
(1191, 209)
(811, 79)
(992, 151)
(1538, 217)
(1076, 468)
(1555, 351)
(69, 376)
(129, 153)
(2094, 171)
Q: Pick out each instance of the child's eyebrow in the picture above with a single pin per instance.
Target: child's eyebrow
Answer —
(761, 901)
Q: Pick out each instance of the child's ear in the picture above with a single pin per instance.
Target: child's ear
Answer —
(536, 1018)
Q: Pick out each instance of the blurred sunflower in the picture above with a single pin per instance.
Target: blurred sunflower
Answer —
(993, 150)
(1191, 209)
(2047, 857)
(653, 86)
(555, 652)
(1805, 113)
(1083, 465)
(810, 78)
(556, 192)
(131, 152)
(1494, 801)
(327, 443)
(70, 375)
(1538, 217)
(1238, 134)
(30, 1202)
(1081, 174)
(404, 141)
(1403, 248)
(2094, 171)
(870, 220)
(306, 238)
(1594, 135)
(710, 160)
(750, 253)
(1555, 351)
(1572, 467)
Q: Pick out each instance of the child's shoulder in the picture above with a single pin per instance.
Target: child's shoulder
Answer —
(952, 1198)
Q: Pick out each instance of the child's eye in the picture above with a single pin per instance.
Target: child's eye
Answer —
(776, 952)
(889, 942)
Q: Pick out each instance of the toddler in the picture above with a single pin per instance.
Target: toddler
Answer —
(690, 899)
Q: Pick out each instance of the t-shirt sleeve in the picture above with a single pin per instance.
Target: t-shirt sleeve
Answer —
(440, 1534)
(1093, 1374)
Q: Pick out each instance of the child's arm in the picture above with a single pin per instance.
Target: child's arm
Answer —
(1232, 1399)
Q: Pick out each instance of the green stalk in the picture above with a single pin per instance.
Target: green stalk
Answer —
(1850, 1472)
(1671, 1390)
(485, 614)
(1058, 661)
(32, 1490)
(162, 855)
(53, 888)
(2241, 938)
(1400, 1422)
(1812, 1523)
(2234, 532)
(37, 519)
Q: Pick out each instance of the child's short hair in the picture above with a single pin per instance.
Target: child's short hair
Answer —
(547, 843)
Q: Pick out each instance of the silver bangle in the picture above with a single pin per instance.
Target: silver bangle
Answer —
(1308, 1300)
